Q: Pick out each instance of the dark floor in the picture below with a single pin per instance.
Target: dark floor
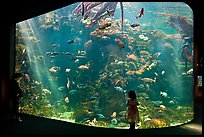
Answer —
(33, 125)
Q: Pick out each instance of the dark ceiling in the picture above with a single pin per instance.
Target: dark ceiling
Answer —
(21, 9)
(24, 9)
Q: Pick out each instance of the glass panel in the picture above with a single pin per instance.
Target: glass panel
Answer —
(80, 61)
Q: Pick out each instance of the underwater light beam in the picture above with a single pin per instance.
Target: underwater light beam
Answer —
(29, 24)
(41, 75)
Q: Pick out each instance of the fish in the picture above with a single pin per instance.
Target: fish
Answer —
(118, 88)
(53, 69)
(114, 114)
(27, 77)
(46, 91)
(75, 59)
(24, 50)
(156, 55)
(81, 52)
(120, 32)
(37, 83)
(164, 94)
(172, 102)
(140, 71)
(148, 80)
(67, 53)
(190, 71)
(88, 43)
(163, 72)
(134, 25)
(105, 38)
(78, 57)
(66, 100)
(70, 41)
(67, 70)
(68, 83)
(141, 13)
(119, 62)
(157, 102)
(168, 45)
(83, 67)
(55, 45)
(120, 43)
(156, 74)
(57, 53)
(61, 88)
(52, 57)
(153, 64)
(48, 53)
(93, 98)
(132, 56)
(129, 72)
(73, 91)
(100, 115)
(141, 86)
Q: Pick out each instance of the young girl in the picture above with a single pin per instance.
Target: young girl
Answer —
(132, 110)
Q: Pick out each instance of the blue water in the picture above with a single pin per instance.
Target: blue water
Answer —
(42, 44)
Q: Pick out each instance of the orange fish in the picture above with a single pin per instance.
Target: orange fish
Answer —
(140, 71)
(120, 43)
(132, 56)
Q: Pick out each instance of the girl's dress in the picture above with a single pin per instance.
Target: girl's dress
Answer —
(132, 112)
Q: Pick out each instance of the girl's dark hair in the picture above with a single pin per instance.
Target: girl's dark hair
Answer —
(132, 94)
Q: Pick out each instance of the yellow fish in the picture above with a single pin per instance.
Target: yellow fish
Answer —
(68, 83)
(148, 80)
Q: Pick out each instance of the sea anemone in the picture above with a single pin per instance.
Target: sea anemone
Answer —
(145, 38)
(141, 36)
(114, 121)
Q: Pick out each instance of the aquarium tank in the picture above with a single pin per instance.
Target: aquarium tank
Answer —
(79, 62)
